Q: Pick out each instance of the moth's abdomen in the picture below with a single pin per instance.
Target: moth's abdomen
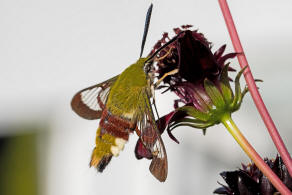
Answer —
(106, 147)
(115, 126)
(112, 134)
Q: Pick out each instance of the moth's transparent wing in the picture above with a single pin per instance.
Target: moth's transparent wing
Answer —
(89, 102)
(151, 139)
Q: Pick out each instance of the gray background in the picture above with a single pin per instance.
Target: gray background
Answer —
(51, 49)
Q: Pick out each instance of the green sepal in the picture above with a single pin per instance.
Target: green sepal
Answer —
(189, 120)
(237, 106)
(238, 94)
(214, 94)
(195, 125)
(225, 85)
(243, 93)
(191, 111)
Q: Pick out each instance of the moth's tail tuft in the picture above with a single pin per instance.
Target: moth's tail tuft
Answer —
(99, 160)
(106, 147)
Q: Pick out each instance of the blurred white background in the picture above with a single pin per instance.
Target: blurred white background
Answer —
(51, 49)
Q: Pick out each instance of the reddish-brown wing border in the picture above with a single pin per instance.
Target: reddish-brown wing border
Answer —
(88, 103)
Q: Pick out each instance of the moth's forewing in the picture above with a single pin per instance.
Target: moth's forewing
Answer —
(151, 139)
(159, 165)
(152, 150)
(88, 102)
(158, 168)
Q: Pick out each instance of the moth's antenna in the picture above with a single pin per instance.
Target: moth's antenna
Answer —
(146, 27)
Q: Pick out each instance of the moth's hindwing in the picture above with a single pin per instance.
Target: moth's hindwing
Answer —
(89, 102)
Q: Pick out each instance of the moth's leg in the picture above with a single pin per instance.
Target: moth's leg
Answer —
(165, 75)
(164, 56)
(152, 88)
(153, 102)
(138, 132)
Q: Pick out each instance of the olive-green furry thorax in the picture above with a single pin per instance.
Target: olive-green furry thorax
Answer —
(127, 95)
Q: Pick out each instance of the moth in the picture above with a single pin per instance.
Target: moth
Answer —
(123, 105)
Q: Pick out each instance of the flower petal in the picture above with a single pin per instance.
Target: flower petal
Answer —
(219, 52)
(195, 59)
(141, 151)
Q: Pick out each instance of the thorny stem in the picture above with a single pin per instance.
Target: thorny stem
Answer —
(253, 155)
(253, 88)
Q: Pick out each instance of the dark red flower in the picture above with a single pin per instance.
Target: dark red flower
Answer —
(191, 54)
(250, 180)
(200, 81)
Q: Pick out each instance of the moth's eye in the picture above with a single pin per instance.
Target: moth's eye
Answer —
(147, 67)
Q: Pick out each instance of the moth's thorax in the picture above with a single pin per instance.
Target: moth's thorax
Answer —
(126, 94)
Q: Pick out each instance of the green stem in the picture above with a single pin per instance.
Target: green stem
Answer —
(253, 155)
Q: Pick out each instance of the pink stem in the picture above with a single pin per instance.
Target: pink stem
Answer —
(250, 151)
(253, 88)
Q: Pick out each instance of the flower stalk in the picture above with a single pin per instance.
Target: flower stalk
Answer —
(253, 155)
(253, 89)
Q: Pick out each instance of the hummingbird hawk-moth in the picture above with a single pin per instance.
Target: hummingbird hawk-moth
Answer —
(123, 105)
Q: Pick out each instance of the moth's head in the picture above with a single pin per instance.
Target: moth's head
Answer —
(148, 65)
(142, 61)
